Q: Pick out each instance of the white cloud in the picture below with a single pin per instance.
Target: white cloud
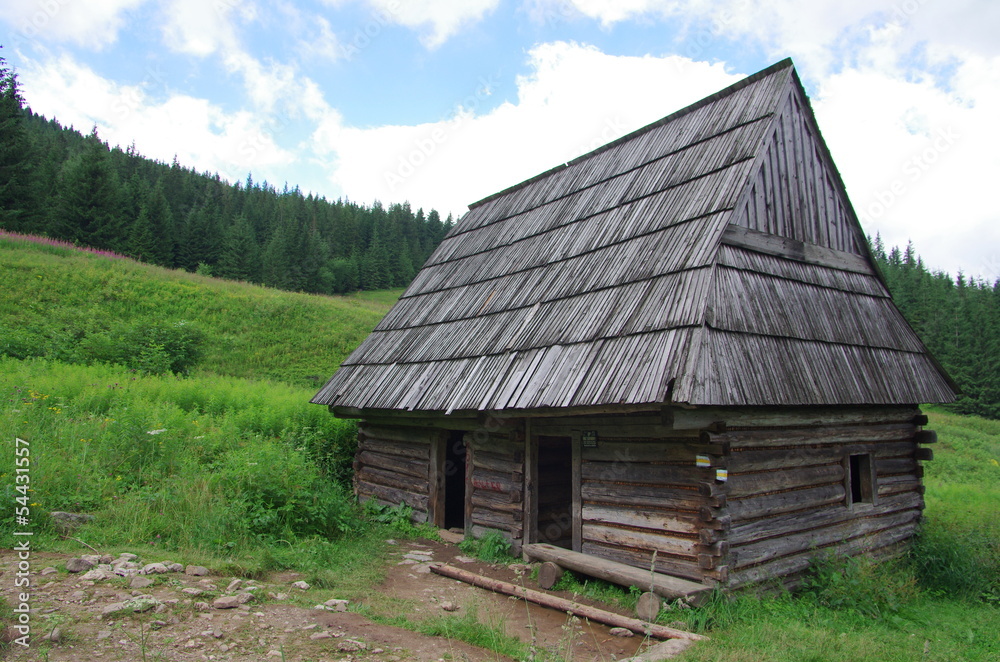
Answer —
(576, 99)
(201, 134)
(94, 23)
(440, 19)
(200, 27)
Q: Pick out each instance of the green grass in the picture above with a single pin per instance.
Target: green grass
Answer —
(55, 298)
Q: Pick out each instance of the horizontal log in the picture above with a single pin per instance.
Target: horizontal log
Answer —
(653, 474)
(804, 436)
(653, 496)
(490, 519)
(760, 552)
(641, 539)
(781, 525)
(790, 565)
(496, 462)
(701, 417)
(408, 435)
(397, 448)
(651, 452)
(900, 483)
(926, 437)
(920, 419)
(801, 456)
(404, 465)
(924, 454)
(502, 505)
(666, 586)
(392, 479)
(391, 495)
(685, 567)
(742, 485)
(563, 605)
(783, 502)
(500, 445)
(646, 518)
(898, 465)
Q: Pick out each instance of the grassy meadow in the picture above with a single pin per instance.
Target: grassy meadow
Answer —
(228, 465)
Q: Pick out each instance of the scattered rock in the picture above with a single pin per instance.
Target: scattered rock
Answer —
(107, 559)
(193, 643)
(662, 651)
(93, 558)
(112, 609)
(154, 569)
(351, 646)
(79, 565)
(96, 575)
(202, 606)
(465, 559)
(418, 556)
(79, 596)
(274, 653)
(622, 632)
(234, 585)
(196, 570)
(156, 625)
(227, 602)
(320, 635)
(301, 585)
(142, 603)
(104, 634)
(337, 605)
(390, 541)
(55, 636)
(190, 590)
(174, 567)
(66, 523)
(126, 556)
(140, 582)
(449, 606)
(423, 568)
(48, 571)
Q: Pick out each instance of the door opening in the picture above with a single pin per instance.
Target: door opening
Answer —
(555, 491)
(454, 480)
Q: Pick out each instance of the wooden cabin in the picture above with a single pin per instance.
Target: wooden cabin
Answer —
(678, 343)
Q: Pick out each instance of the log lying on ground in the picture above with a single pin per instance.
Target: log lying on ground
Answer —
(619, 573)
(553, 602)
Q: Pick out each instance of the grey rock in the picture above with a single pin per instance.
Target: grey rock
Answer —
(140, 582)
(156, 625)
(142, 603)
(301, 585)
(78, 565)
(55, 636)
(104, 634)
(190, 590)
(174, 567)
(154, 569)
(232, 601)
(662, 651)
(93, 558)
(320, 635)
(107, 558)
(96, 575)
(127, 556)
(66, 523)
(49, 571)
(234, 585)
(449, 606)
(111, 609)
(336, 605)
(202, 606)
(196, 571)
(621, 632)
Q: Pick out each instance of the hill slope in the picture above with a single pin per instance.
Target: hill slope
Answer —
(70, 304)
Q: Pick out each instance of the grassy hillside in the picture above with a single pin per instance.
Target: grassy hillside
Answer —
(62, 303)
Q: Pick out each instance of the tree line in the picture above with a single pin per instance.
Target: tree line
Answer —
(958, 319)
(54, 181)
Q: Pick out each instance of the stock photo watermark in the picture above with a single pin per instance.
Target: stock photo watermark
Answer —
(22, 517)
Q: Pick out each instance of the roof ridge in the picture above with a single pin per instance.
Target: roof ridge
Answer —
(732, 89)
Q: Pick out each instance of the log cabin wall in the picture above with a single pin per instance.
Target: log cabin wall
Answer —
(640, 491)
(392, 465)
(795, 490)
(495, 486)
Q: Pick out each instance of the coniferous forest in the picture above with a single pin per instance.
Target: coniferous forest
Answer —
(56, 182)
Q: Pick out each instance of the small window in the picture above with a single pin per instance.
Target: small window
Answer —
(860, 479)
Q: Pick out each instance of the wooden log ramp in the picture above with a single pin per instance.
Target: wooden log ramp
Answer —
(561, 604)
(666, 586)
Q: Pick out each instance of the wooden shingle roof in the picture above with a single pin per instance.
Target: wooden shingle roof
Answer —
(710, 258)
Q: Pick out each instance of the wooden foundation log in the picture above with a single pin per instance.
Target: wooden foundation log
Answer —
(553, 602)
(619, 573)
(549, 575)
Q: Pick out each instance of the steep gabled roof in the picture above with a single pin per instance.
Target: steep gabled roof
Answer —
(710, 258)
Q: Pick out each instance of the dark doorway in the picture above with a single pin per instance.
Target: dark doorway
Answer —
(454, 480)
(555, 491)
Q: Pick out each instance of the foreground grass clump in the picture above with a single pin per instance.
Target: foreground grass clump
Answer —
(216, 464)
(81, 307)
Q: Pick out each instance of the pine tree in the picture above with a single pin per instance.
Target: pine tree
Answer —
(89, 206)
(16, 204)
(238, 259)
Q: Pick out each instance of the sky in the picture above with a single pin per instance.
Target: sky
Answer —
(444, 102)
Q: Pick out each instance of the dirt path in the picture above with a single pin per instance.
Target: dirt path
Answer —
(280, 624)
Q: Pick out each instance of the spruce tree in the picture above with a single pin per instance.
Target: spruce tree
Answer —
(16, 204)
